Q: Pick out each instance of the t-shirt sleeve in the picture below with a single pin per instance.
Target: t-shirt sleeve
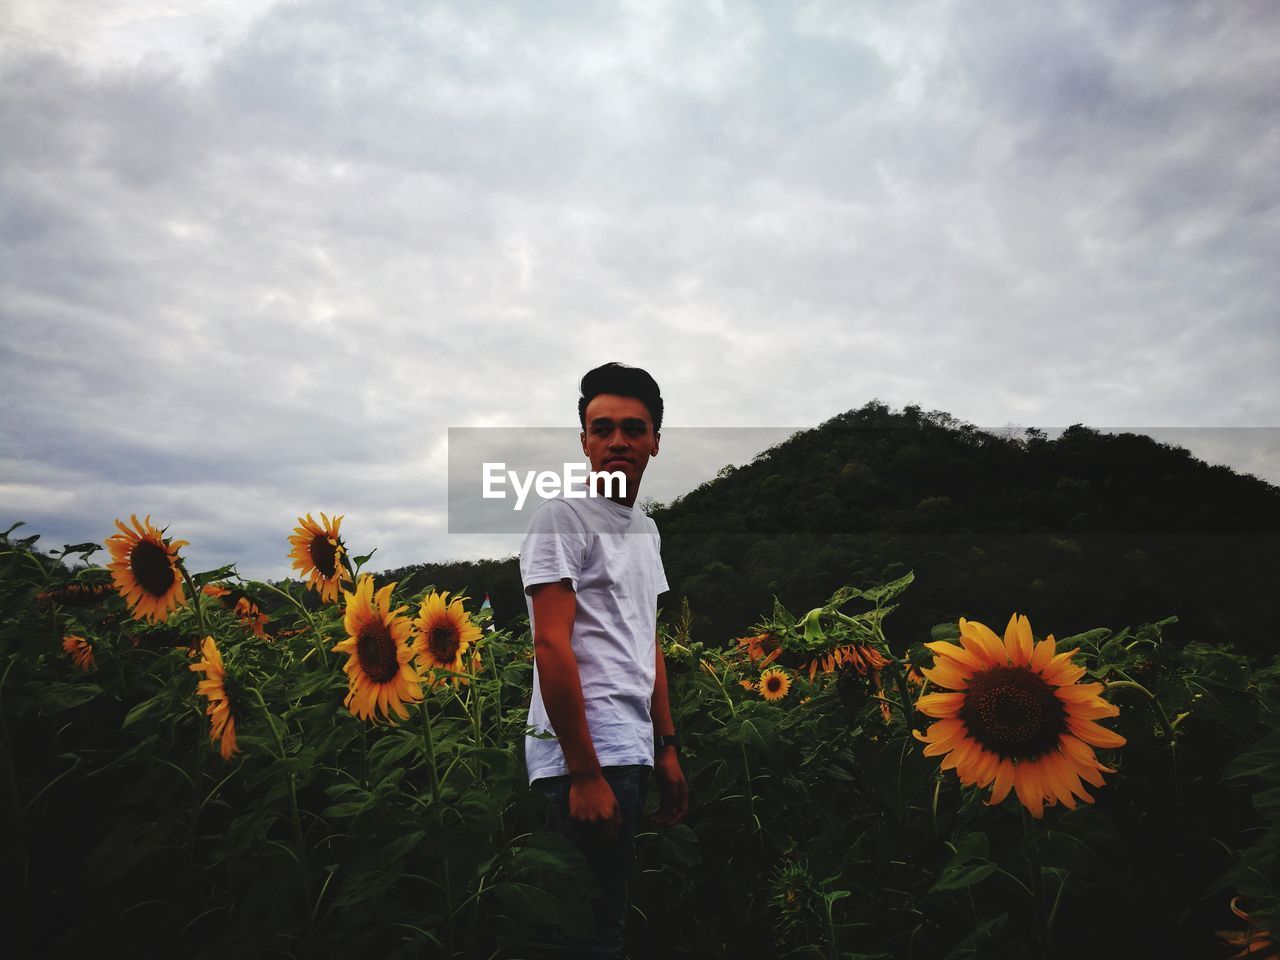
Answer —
(555, 548)
(660, 576)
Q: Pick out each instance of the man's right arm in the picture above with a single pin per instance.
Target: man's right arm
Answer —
(591, 799)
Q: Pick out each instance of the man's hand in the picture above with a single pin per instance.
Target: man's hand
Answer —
(593, 804)
(673, 792)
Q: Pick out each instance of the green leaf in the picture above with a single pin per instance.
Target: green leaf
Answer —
(340, 811)
(526, 902)
(968, 866)
(142, 709)
(945, 631)
(887, 591)
(209, 576)
(983, 931)
(402, 846)
(54, 697)
(1260, 760)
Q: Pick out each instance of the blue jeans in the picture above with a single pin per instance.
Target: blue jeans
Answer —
(609, 859)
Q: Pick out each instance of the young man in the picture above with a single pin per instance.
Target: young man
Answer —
(592, 570)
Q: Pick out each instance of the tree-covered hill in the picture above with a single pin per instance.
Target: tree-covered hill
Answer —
(1086, 530)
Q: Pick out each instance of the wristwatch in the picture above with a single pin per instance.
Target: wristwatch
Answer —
(666, 740)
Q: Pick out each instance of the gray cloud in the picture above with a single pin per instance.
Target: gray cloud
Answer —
(256, 260)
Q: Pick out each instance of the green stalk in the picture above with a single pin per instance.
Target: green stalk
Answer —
(832, 948)
(23, 901)
(448, 911)
(8, 746)
(1156, 705)
(1037, 891)
(933, 809)
(908, 710)
(195, 598)
(195, 797)
(428, 743)
(316, 640)
(293, 796)
(746, 765)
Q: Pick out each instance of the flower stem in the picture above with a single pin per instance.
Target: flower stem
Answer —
(428, 743)
(746, 765)
(298, 837)
(306, 615)
(908, 711)
(1037, 890)
(8, 746)
(1156, 706)
(195, 597)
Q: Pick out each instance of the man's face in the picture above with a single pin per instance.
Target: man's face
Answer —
(619, 437)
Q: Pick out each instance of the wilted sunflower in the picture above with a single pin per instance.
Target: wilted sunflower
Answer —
(251, 616)
(1018, 719)
(1255, 940)
(764, 647)
(318, 553)
(80, 651)
(380, 668)
(774, 684)
(219, 687)
(241, 605)
(860, 656)
(445, 632)
(146, 569)
(76, 594)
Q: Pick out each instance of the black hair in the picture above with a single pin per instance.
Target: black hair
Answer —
(624, 381)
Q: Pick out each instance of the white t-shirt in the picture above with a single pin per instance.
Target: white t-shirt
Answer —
(610, 554)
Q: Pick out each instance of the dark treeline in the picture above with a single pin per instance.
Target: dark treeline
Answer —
(1086, 530)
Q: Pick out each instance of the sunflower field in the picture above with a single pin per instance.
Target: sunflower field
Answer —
(204, 765)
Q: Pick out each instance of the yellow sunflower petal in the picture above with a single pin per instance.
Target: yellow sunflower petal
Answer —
(946, 676)
(940, 704)
(995, 648)
(1090, 732)
(1003, 782)
(962, 657)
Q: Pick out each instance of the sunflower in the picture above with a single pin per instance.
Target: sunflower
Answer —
(747, 685)
(80, 651)
(1255, 940)
(76, 594)
(1018, 718)
(774, 684)
(763, 646)
(252, 617)
(319, 552)
(380, 668)
(146, 569)
(445, 631)
(218, 687)
(241, 605)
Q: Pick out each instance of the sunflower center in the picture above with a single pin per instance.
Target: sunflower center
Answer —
(1013, 712)
(232, 693)
(324, 554)
(150, 566)
(774, 684)
(376, 650)
(443, 642)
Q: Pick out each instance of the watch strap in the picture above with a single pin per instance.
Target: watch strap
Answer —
(666, 740)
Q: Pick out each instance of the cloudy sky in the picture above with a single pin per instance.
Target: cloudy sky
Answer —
(257, 257)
